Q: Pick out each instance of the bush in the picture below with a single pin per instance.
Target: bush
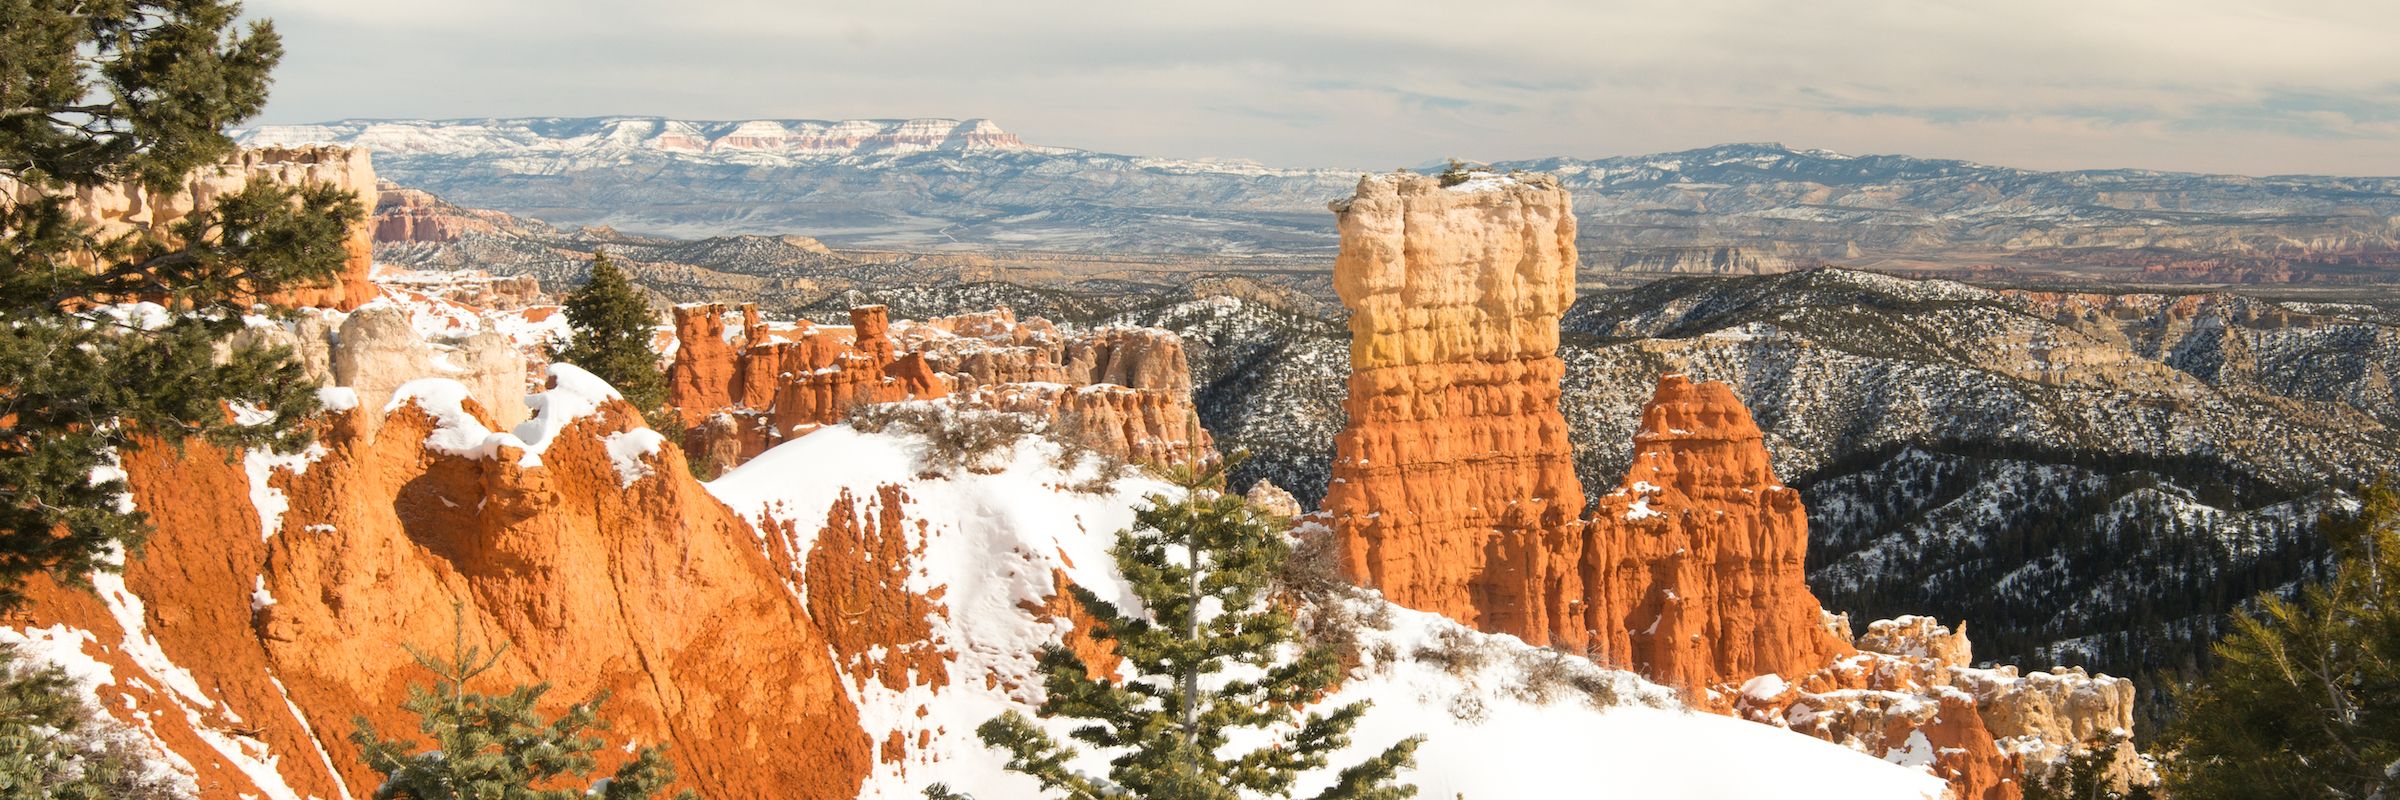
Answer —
(956, 438)
(1074, 452)
(1313, 573)
(1549, 675)
(499, 746)
(1456, 652)
(1459, 172)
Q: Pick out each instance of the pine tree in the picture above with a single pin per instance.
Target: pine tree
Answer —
(612, 327)
(497, 747)
(1202, 566)
(2304, 700)
(140, 91)
(2085, 776)
(53, 745)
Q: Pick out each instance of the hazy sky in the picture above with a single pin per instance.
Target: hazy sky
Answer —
(2206, 85)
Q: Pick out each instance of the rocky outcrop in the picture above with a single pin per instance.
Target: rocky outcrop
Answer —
(122, 208)
(744, 385)
(1693, 569)
(1911, 694)
(1453, 492)
(579, 541)
(1454, 485)
(377, 351)
(778, 385)
(404, 215)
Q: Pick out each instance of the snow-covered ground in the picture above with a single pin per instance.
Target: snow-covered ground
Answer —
(1502, 719)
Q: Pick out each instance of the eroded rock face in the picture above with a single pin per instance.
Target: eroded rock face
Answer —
(1911, 694)
(376, 351)
(746, 385)
(581, 543)
(123, 208)
(1693, 571)
(1454, 485)
(1453, 493)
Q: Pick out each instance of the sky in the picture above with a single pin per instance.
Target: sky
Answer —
(2297, 86)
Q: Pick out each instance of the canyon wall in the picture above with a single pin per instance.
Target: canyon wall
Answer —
(1453, 484)
(745, 384)
(578, 541)
(121, 208)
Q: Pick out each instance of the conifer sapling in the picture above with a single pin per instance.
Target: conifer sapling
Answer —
(1208, 655)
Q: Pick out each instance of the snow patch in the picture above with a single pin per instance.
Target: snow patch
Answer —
(628, 451)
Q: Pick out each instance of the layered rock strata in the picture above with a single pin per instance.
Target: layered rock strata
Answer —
(123, 208)
(1453, 492)
(579, 541)
(1692, 569)
(1454, 484)
(744, 384)
(1911, 694)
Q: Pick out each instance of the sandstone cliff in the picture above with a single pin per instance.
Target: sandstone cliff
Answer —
(578, 540)
(1454, 485)
(747, 384)
(122, 208)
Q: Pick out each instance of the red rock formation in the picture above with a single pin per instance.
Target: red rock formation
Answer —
(1123, 391)
(1454, 484)
(1453, 493)
(122, 208)
(858, 591)
(601, 572)
(1692, 572)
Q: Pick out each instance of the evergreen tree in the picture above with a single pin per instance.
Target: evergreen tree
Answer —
(2304, 701)
(612, 327)
(53, 745)
(497, 747)
(2085, 777)
(1202, 566)
(140, 91)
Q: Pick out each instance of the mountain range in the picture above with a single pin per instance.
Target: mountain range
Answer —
(938, 184)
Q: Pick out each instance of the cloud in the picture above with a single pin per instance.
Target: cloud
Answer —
(2211, 85)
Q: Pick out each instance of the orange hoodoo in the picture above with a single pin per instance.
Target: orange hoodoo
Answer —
(1693, 574)
(1126, 392)
(1454, 483)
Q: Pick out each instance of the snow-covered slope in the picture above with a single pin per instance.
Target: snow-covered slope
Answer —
(981, 549)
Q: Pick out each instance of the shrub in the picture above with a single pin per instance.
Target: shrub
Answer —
(1456, 652)
(956, 438)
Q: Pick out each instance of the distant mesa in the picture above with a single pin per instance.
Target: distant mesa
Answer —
(580, 136)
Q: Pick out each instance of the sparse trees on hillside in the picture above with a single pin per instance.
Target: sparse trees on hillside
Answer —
(1209, 656)
(96, 93)
(612, 330)
(2304, 701)
(488, 747)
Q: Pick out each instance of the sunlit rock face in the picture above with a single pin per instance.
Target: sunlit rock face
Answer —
(116, 209)
(1453, 484)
